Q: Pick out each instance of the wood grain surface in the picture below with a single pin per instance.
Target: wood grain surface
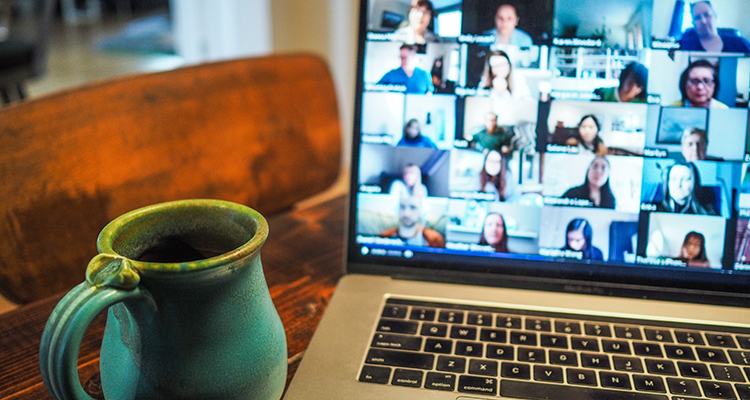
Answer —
(263, 132)
(302, 260)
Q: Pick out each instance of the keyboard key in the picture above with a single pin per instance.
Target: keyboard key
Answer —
(442, 346)
(719, 340)
(523, 338)
(647, 383)
(647, 349)
(570, 327)
(658, 335)
(689, 337)
(394, 312)
(464, 332)
(718, 390)
(400, 359)
(407, 377)
(500, 352)
(744, 342)
(422, 314)
(581, 343)
(614, 380)
(687, 387)
(693, 370)
(469, 349)
(438, 381)
(558, 357)
(508, 322)
(628, 332)
(451, 317)
(615, 346)
(727, 373)
(679, 352)
(743, 391)
(538, 324)
(548, 374)
(515, 370)
(708, 354)
(483, 367)
(660, 367)
(400, 342)
(740, 357)
(482, 319)
(373, 374)
(477, 385)
(434, 330)
(630, 364)
(396, 326)
(451, 364)
(594, 329)
(580, 377)
(543, 391)
(555, 341)
(532, 355)
(493, 335)
(599, 361)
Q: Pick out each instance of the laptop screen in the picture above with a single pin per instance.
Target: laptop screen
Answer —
(574, 139)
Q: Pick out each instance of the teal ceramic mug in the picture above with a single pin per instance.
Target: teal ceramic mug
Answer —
(190, 315)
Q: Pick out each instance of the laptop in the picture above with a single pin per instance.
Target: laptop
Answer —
(549, 200)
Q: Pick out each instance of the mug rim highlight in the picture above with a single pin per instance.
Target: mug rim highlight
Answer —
(111, 233)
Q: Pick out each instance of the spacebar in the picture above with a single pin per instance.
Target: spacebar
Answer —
(540, 391)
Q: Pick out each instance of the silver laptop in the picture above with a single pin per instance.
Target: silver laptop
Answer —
(549, 200)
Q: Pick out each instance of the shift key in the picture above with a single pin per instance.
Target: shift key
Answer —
(404, 359)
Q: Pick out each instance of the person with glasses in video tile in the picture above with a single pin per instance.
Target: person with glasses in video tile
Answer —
(699, 84)
(707, 36)
(408, 74)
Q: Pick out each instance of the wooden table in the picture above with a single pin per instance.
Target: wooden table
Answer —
(302, 259)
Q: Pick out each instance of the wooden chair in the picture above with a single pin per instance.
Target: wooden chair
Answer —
(262, 131)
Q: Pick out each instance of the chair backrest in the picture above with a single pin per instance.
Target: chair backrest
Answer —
(262, 132)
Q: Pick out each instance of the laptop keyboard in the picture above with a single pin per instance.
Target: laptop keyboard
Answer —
(485, 351)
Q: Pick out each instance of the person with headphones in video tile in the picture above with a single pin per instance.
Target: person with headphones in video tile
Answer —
(411, 228)
(578, 236)
(595, 188)
(693, 250)
(699, 85)
(494, 233)
(408, 74)
(683, 193)
(506, 28)
(707, 36)
(632, 88)
(417, 28)
(413, 137)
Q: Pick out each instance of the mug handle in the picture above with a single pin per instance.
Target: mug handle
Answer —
(110, 279)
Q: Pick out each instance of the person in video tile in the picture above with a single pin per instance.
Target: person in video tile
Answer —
(699, 84)
(494, 233)
(587, 136)
(497, 76)
(595, 188)
(506, 28)
(408, 74)
(410, 184)
(632, 88)
(693, 145)
(413, 136)
(683, 193)
(410, 227)
(494, 177)
(693, 250)
(578, 237)
(417, 30)
(707, 36)
(492, 136)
